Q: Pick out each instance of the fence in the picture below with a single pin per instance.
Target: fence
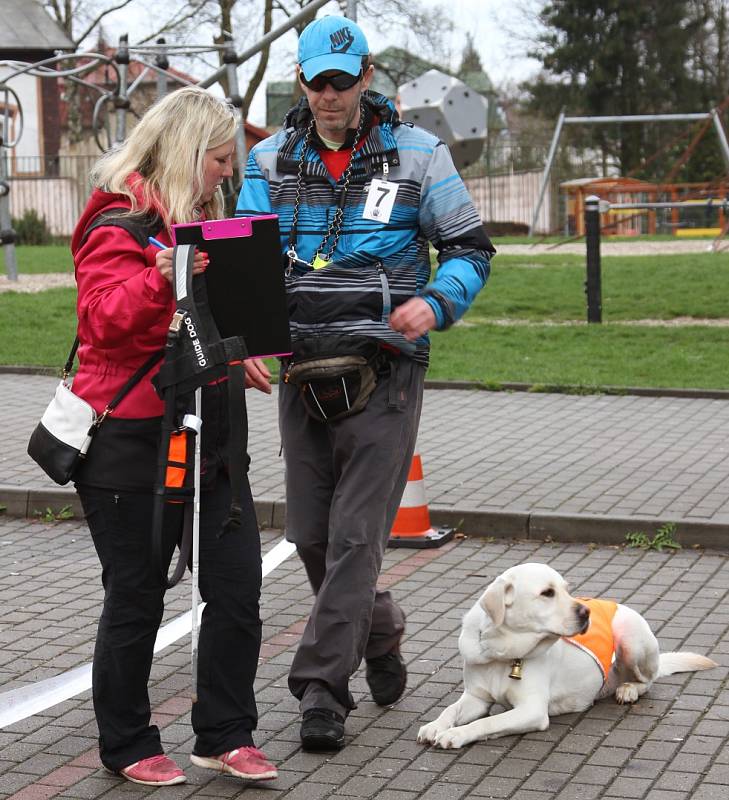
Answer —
(510, 198)
(57, 189)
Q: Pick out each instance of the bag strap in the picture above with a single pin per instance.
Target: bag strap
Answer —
(68, 366)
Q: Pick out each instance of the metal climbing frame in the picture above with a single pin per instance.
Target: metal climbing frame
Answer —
(116, 103)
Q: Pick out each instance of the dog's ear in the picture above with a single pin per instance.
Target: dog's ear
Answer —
(495, 600)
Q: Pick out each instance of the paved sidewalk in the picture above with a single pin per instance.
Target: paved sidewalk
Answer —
(516, 464)
(672, 745)
(519, 467)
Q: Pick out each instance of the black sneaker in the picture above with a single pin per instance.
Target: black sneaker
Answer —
(322, 729)
(386, 677)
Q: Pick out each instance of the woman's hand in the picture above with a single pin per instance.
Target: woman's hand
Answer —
(257, 375)
(164, 263)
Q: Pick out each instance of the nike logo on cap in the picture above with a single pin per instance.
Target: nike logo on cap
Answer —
(341, 40)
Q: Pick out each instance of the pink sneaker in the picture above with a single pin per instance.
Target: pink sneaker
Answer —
(154, 771)
(243, 762)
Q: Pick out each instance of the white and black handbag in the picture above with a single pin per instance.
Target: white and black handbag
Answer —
(64, 434)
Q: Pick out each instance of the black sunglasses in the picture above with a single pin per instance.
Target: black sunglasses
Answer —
(339, 82)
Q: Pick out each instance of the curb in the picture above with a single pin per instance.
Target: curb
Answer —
(576, 389)
(512, 524)
(538, 388)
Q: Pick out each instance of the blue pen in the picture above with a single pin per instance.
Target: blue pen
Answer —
(157, 243)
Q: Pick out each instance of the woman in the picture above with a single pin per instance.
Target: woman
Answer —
(169, 170)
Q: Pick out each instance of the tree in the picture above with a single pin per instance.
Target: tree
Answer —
(617, 57)
(470, 59)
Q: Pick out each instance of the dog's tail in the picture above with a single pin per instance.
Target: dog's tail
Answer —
(683, 662)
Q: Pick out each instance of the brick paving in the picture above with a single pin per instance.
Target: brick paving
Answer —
(580, 468)
(545, 477)
(672, 744)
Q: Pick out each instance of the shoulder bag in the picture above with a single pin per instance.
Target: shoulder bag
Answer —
(63, 436)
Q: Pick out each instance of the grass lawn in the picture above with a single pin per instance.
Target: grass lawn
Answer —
(33, 259)
(527, 326)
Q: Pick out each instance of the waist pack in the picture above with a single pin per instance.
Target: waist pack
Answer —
(333, 385)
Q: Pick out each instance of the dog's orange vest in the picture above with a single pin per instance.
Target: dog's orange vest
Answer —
(598, 640)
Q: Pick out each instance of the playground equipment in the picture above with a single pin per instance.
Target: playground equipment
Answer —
(594, 207)
(451, 110)
(114, 103)
(709, 117)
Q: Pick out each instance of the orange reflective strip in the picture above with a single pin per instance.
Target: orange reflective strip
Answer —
(175, 477)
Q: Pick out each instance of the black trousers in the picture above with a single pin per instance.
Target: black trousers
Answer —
(225, 714)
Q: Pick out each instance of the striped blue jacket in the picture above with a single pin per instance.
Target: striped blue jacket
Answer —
(376, 265)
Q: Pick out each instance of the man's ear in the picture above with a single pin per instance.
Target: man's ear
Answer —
(495, 600)
(367, 77)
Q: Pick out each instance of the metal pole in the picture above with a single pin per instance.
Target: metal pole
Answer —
(639, 118)
(163, 63)
(306, 13)
(547, 168)
(721, 133)
(7, 234)
(592, 284)
(121, 101)
(229, 59)
(195, 555)
(351, 11)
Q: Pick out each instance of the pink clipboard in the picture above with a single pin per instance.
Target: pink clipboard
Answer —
(244, 279)
(225, 228)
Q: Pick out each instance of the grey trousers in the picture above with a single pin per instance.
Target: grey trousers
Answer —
(344, 483)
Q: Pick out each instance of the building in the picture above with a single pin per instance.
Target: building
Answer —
(28, 34)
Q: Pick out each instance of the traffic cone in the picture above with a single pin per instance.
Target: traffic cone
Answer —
(412, 527)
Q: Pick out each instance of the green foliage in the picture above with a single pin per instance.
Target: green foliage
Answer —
(621, 57)
(48, 515)
(664, 538)
(32, 229)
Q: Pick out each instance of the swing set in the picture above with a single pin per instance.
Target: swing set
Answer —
(664, 195)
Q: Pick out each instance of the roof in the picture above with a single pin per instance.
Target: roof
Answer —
(27, 26)
(101, 76)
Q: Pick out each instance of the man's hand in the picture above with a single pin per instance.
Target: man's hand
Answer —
(413, 318)
(257, 375)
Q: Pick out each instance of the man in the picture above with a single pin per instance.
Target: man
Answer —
(359, 195)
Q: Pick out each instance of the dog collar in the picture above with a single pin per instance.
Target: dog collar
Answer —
(515, 673)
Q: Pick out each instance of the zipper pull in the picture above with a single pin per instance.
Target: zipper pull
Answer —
(385, 169)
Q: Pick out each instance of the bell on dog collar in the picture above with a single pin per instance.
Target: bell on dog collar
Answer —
(515, 669)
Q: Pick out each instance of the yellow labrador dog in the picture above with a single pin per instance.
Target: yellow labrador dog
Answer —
(534, 649)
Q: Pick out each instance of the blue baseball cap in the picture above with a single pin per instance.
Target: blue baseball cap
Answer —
(332, 43)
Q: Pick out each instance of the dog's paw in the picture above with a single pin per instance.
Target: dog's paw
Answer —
(451, 739)
(627, 693)
(428, 733)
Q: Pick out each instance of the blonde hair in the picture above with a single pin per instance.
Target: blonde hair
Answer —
(167, 147)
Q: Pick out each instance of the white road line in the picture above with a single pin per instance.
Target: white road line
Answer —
(17, 704)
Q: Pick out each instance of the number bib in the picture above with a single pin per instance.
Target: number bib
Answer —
(380, 200)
